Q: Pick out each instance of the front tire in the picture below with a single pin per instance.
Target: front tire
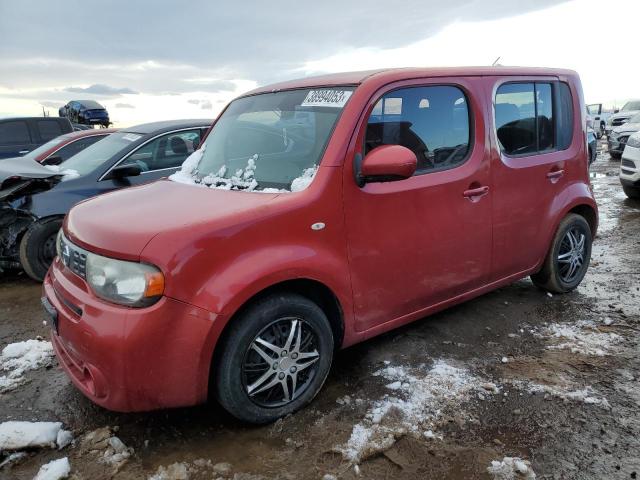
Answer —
(274, 358)
(568, 259)
(632, 192)
(38, 247)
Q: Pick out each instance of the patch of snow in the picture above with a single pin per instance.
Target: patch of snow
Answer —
(64, 438)
(304, 180)
(585, 395)
(67, 174)
(16, 435)
(504, 360)
(582, 337)
(17, 358)
(511, 468)
(116, 453)
(54, 470)
(175, 471)
(420, 399)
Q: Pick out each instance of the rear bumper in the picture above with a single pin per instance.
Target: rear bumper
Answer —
(127, 359)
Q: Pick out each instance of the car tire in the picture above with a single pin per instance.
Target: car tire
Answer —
(566, 262)
(38, 247)
(240, 368)
(631, 192)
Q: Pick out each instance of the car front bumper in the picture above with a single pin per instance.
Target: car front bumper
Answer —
(630, 166)
(129, 359)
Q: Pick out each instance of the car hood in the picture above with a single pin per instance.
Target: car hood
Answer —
(120, 224)
(627, 127)
(23, 168)
(627, 114)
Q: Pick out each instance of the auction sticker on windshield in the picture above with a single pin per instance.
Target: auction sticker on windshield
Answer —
(132, 137)
(326, 98)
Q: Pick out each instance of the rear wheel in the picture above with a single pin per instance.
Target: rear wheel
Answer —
(568, 259)
(38, 247)
(631, 192)
(274, 359)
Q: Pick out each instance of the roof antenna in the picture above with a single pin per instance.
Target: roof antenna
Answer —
(495, 62)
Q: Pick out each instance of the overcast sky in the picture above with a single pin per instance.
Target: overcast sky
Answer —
(154, 60)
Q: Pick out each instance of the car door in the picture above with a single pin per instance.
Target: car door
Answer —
(15, 138)
(531, 135)
(159, 157)
(418, 242)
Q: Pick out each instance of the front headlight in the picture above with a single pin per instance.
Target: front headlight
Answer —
(126, 283)
(634, 141)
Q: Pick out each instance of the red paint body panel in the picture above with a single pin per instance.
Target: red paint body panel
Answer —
(390, 253)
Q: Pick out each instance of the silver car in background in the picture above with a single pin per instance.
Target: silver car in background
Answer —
(619, 136)
(630, 109)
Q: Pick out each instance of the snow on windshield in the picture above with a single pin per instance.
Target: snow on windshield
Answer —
(242, 179)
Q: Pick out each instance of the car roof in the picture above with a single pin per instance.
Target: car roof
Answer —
(158, 127)
(34, 118)
(395, 74)
(88, 133)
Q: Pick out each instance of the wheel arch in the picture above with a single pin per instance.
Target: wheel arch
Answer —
(589, 214)
(314, 290)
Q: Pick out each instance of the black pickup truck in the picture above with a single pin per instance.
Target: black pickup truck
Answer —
(21, 135)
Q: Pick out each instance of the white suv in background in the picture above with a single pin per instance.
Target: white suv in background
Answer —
(630, 167)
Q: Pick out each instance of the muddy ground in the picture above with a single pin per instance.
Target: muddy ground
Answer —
(550, 379)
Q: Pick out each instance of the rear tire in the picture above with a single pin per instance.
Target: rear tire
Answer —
(38, 247)
(247, 362)
(568, 259)
(632, 192)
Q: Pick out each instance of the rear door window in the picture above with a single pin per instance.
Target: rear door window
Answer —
(48, 129)
(533, 117)
(431, 121)
(14, 133)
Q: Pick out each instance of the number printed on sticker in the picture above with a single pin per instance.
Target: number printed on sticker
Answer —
(326, 98)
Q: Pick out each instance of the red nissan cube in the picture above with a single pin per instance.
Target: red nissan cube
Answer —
(319, 213)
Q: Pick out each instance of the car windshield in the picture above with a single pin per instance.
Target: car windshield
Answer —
(634, 105)
(87, 160)
(34, 154)
(267, 142)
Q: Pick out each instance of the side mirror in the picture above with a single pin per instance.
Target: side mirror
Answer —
(123, 171)
(616, 110)
(54, 160)
(387, 163)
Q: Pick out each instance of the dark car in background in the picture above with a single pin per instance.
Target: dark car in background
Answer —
(85, 112)
(21, 135)
(66, 146)
(34, 198)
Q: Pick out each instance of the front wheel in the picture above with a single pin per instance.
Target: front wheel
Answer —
(568, 259)
(631, 192)
(274, 359)
(38, 247)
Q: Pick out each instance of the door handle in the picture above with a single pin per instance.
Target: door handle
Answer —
(475, 194)
(22, 152)
(555, 175)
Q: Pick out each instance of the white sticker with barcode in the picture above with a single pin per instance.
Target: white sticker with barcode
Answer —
(326, 98)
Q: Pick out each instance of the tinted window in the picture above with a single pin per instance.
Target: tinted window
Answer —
(544, 111)
(167, 151)
(565, 117)
(71, 149)
(433, 122)
(48, 129)
(515, 118)
(115, 145)
(12, 133)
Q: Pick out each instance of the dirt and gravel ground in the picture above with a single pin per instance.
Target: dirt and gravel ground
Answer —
(516, 373)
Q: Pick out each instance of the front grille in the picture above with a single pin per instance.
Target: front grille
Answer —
(74, 258)
(626, 172)
(618, 121)
(628, 163)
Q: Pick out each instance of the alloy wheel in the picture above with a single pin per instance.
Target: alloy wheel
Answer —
(571, 255)
(280, 362)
